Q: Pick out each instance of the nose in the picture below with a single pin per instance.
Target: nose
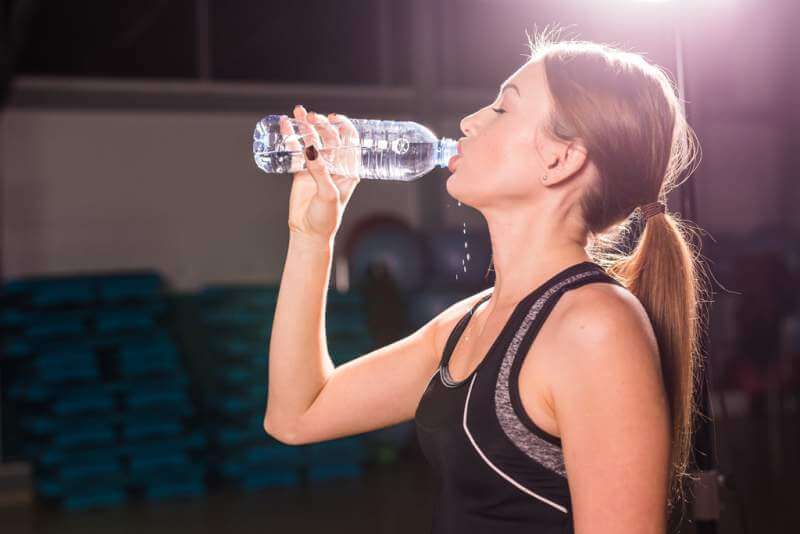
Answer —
(467, 124)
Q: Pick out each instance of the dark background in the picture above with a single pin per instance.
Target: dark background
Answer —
(125, 145)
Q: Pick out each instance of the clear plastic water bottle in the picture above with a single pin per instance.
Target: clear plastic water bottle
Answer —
(388, 150)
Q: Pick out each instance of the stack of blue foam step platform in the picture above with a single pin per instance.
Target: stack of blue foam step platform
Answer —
(225, 331)
(97, 390)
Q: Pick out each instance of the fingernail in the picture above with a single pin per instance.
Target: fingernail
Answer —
(311, 152)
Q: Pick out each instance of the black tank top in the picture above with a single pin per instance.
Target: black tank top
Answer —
(495, 470)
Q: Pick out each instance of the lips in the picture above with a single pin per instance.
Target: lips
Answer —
(454, 160)
(453, 163)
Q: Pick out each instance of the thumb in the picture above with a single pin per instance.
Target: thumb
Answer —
(326, 188)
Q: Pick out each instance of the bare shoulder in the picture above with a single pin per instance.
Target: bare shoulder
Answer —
(605, 313)
(589, 323)
(612, 409)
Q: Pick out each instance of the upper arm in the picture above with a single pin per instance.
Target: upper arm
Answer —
(380, 388)
(613, 417)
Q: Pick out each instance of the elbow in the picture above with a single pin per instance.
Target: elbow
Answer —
(281, 434)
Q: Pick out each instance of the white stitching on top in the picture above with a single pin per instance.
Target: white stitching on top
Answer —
(494, 467)
(547, 454)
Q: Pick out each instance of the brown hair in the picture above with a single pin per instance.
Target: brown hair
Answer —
(626, 112)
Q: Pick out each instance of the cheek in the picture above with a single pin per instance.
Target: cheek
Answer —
(507, 151)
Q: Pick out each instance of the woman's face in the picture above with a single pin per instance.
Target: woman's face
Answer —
(504, 151)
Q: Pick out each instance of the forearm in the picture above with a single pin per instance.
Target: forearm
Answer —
(299, 363)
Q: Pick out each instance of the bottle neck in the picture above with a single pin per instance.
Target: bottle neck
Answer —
(445, 149)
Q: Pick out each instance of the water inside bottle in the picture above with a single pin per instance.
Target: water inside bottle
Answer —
(401, 151)
(375, 163)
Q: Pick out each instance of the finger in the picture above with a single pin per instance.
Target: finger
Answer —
(307, 133)
(299, 112)
(291, 141)
(327, 132)
(349, 138)
(330, 142)
(290, 138)
(326, 188)
(348, 134)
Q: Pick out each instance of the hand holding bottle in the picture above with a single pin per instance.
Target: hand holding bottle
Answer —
(371, 149)
(318, 199)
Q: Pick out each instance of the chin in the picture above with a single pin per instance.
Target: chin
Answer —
(450, 187)
(454, 188)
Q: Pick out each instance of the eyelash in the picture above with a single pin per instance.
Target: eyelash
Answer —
(498, 110)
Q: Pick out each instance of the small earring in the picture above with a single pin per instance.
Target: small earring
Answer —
(544, 178)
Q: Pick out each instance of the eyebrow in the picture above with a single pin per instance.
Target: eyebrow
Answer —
(510, 86)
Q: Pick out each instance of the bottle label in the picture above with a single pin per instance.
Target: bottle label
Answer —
(401, 145)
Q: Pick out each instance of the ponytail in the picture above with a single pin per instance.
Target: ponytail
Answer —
(664, 273)
(641, 150)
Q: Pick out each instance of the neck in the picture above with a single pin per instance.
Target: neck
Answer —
(529, 246)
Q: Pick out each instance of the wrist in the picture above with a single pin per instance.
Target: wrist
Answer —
(309, 243)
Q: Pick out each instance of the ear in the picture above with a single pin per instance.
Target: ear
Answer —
(567, 160)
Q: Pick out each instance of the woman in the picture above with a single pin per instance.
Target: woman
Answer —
(586, 430)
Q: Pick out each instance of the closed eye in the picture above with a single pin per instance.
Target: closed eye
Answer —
(498, 110)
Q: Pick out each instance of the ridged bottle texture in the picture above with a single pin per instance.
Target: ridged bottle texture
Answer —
(383, 150)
